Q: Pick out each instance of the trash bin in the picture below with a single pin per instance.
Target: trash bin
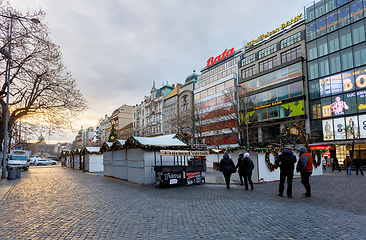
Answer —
(19, 171)
(12, 173)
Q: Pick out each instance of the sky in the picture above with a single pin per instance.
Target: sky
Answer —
(115, 49)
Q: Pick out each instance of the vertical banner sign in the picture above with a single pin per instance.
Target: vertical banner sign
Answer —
(362, 126)
(328, 130)
(352, 127)
(339, 129)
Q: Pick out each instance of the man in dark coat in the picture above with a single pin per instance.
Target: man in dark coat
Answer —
(240, 158)
(358, 164)
(227, 167)
(246, 169)
(285, 161)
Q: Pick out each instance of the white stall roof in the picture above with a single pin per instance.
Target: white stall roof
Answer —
(166, 140)
(109, 144)
(93, 149)
(122, 142)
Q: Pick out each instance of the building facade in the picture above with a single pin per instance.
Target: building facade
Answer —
(272, 83)
(336, 50)
(214, 100)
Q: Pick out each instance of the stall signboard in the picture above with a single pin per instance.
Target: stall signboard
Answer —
(183, 153)
(324, 148)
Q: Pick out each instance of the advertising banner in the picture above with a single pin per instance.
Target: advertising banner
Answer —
(352, 127)
(328, 130)
(339, 129)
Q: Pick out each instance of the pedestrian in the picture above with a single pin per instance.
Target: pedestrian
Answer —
(347, 164)
(227, 167)
(335, 163)
(358, 164)
(305, 167)
(285, 161)
(324, 163)
(240, 158)
(246, 169)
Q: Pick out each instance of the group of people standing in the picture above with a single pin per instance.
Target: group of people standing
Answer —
(348, 164)
(285, 161)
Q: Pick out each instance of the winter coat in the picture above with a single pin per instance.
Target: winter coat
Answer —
(286, 160)
(347, 162)
(246, 166)
(305, 163)
(227, 164)
(357, 162)
(239, 162)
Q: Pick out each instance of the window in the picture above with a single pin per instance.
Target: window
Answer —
(321, 26)
(323, 66)
(322, 46)
(310, 31)
(296, 89)
(291, 54)
(312, 51)
(248, 72)
(347, 59)
(357, 15)
(267, 64)
(329, 5)
(332, 23)
(345, 37)
(333, 42)
(313, 69)
(319, 9)
(334, 63)
(314, 89)
(358, 32)
(359, 54)
(343, 16)
(315, 109)
(248, 60)
(267, 51)
(291, 40)
(283, 92)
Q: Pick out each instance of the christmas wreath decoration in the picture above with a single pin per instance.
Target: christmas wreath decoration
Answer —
(318, 154)
(286, 131)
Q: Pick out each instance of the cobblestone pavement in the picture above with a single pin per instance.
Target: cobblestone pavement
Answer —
(52, 202)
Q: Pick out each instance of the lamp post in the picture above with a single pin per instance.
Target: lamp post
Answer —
(8, 56)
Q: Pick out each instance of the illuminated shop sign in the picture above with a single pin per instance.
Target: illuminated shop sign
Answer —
(268, 34)
(268, 105)
(324, 148)
(338, 16)
(222, 56)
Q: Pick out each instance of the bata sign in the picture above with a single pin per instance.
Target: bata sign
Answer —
(268, 34)
(225, 54)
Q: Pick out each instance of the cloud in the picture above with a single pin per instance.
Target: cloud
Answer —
(115, 49)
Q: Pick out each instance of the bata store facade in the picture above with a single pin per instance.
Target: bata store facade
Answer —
(215, 100)
(336, 52)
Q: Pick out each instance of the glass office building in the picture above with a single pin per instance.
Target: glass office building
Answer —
(336, 67)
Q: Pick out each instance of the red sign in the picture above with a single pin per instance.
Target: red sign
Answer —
(192, 174)
(329, 147)
(225, 54)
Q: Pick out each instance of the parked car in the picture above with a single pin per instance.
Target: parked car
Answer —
(42, 161)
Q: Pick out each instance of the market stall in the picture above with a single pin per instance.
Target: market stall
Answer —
(93, 159)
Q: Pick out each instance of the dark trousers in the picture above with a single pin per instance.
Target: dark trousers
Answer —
(359, 168)
(283, 175)
(241, 178)
(227, 175)
(333, 166)
(305, 181)
(248, 178)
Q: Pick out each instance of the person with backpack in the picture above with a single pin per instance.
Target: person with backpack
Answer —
(246, 169)
(227, 167)
(358, 164)
(285, 161)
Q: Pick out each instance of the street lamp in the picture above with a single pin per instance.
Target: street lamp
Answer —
(8, 56)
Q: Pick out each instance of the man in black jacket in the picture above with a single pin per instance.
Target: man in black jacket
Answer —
(358, 164)
(285, 161)
(227, 167)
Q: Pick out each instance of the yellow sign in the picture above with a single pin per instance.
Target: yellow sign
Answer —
(268, 34)
(268, 105)
(294, 131)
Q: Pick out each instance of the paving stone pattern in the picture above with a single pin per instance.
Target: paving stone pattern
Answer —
(53, 202)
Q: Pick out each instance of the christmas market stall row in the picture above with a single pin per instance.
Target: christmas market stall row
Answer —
(89, 159)
(163, 161)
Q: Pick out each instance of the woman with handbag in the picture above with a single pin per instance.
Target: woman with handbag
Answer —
(227, 167)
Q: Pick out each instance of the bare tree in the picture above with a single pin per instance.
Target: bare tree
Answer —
(42, 90)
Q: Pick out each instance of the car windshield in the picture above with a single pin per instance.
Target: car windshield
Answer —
(14, 157)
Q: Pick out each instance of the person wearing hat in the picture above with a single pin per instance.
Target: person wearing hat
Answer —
(227, 167)
(286, 162)
(246, 169)
(240, 158)
(305, 167)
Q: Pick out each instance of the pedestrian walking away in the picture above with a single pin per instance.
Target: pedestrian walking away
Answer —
(240, 158)
(286, 162)
(335, 163)
(246, 169)
(305, 167)
(358, 164)
(227, 167)
(347, 164)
